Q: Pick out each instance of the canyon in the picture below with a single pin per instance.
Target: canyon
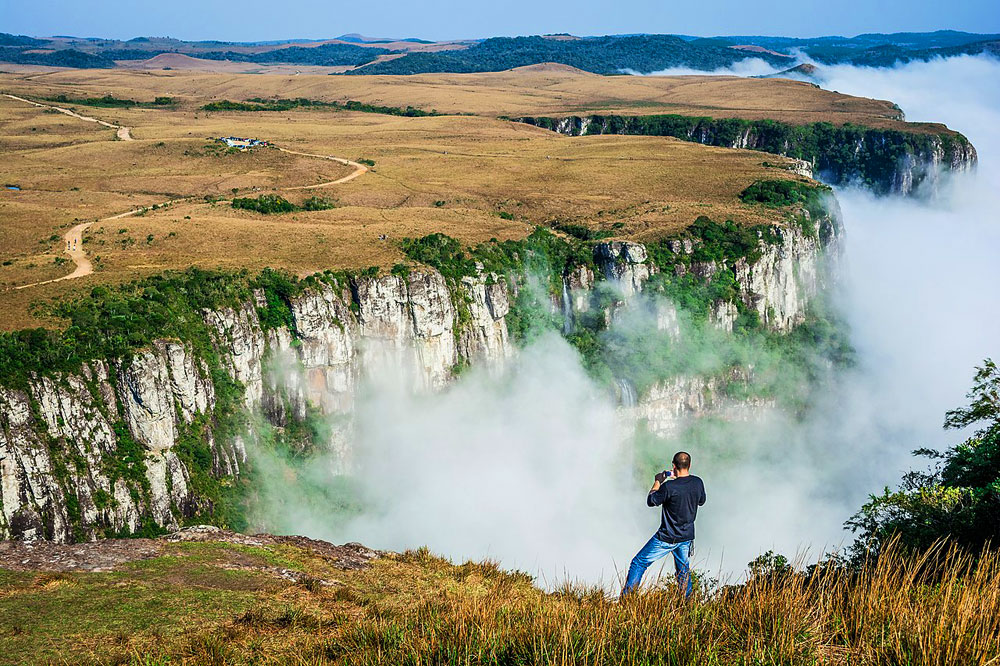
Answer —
(129, 444)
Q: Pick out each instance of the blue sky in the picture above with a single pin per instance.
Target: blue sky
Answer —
(450, 19)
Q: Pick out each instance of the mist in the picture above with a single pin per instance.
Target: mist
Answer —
(531, 468)
(920, 294)
(537, 468)
(745, 67)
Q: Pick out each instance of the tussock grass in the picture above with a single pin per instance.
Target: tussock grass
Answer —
(935, 609)
(940, 608)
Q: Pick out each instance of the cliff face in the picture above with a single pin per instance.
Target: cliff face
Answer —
(118, 445)
(96, 450)
(778, 284)
(885, 161)
(63, 440)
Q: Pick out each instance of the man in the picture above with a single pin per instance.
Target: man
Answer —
(680, 494)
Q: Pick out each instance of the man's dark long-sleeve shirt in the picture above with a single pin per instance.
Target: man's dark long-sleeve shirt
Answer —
(680, 500)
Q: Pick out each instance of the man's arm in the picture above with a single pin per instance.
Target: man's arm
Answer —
(701, 500)
(657, 494)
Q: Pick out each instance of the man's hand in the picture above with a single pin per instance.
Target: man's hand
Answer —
(662, 476)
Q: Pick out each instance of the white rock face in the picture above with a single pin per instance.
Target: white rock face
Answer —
(923, 172)
(779, 286)
(802, 168)
(147, 400)
(242, 344)
(33, 505)
(669, 405)
(193, 390)
(788, 275)
(69, 447)
(723, 315)
(580, 283)
(328, 333)
(432, 316)
(485, 339)
(408, 324)
(624, 263)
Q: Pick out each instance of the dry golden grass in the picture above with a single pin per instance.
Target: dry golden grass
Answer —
(449, 174)
(536, 91)
(217, 604)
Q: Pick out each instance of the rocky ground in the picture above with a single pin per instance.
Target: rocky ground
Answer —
(107, 554)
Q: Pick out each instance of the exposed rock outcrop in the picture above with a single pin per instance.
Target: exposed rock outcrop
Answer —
(95, 451)
(669, 405)
(779, 284)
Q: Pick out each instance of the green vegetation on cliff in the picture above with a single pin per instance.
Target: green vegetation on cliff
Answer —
(694, 271)
(113, 322)
(845, 154)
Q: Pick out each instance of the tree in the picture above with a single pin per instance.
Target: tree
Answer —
(958, 499)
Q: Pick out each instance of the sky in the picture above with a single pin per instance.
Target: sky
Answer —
(252, 20)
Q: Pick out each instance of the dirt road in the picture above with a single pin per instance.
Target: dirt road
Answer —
(74, 237)
(74, 241)
(123, 133)
(358, 170)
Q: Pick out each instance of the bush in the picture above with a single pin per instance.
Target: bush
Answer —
(775, 193)
(959, 499)
(583, 233)
(266, 204)
(318, 203)
(262, 104)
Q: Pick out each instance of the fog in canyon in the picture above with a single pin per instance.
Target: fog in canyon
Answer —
(537, 467)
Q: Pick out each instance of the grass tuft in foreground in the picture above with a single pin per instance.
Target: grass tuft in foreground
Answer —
(222, 604)
(941, 608)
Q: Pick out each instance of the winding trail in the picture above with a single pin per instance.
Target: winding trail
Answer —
(74, 241)
(74, 237)
(358, 169)
(123, 133)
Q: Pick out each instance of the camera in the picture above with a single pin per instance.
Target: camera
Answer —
(664, 475)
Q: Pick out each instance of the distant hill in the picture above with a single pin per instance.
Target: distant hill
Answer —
(611, 54)
(60, 58)
(805, 71)
(601, 55)
(325, 54)
(361, 39)
(876, 49)
(7, 39)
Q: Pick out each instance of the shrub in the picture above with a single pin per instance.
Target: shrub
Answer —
(959, 499)
(318, 203)
(266, 204)
(583, 233)
(775, 193)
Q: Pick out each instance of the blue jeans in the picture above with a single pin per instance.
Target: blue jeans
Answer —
(651, 552)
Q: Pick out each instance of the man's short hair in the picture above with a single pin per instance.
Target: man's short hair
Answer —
(682, 460)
